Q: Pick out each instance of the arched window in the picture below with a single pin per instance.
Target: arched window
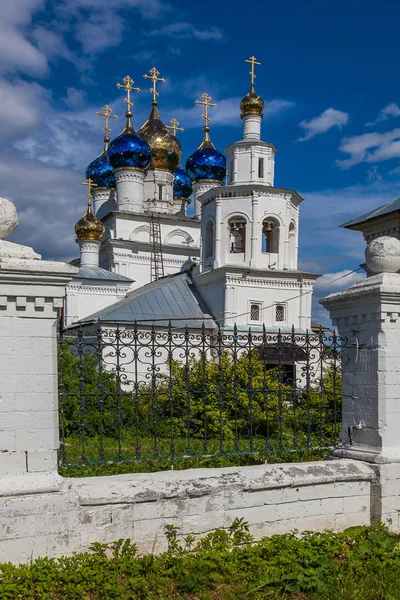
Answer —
(292, 245)
(209, 240)
(270, 235)
(237, 235)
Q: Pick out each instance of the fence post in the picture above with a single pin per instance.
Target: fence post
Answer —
(31, 294)
(367, 315)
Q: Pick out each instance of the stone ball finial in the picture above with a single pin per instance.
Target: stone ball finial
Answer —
(383, 255)
(8, 218)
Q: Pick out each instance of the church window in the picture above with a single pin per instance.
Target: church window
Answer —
(270, 235)
(261, 168)
(209, 240)
(231, 171)
(237, 235)
(279, 313)
(160, 191)
(255, 312)
(292, 245)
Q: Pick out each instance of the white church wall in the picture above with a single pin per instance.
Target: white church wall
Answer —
(229, 296)
(158, 191)
(83, 299)
(251, 162)
(130, 253)
(255, 210)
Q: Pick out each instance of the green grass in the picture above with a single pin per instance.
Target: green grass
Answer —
(361, 563)
(161, 457)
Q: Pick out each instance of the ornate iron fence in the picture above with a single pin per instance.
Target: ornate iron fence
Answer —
(135, 393)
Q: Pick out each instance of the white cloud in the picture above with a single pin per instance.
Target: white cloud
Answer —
(22, 107)
(187, 31)
(49, 201)
(332, 283)
(337, 281)
(96, 28)
(226, 113)
(75, 98)
(149, 9)
(324, 122)
(324, 247)
(390, 110)
(99, 32)
(370, 148)
(17, 52)
(373, 174)
(52, 45)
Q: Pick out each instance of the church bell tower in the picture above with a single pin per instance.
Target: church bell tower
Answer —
(249, 233)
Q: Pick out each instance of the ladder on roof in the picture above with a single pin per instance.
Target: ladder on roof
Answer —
(157, 261)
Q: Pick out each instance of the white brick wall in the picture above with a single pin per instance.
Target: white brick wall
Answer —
(272, 498)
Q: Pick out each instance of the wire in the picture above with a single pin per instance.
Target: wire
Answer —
(271, 305)
(295, 297)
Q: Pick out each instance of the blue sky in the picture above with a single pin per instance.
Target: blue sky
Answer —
(328, 77)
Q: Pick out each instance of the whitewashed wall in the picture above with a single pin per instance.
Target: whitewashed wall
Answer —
(272, 498)
(127, 247)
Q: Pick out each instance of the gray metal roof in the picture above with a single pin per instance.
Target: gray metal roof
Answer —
(172, 298)
(88, 272)
(372, 214)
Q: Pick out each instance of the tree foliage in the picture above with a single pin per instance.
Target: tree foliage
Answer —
(240, 403)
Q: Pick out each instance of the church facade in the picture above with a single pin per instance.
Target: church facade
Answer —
(142, 257)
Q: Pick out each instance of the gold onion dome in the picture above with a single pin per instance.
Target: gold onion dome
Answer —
(89, 227)
(252, 104)
(166, 150)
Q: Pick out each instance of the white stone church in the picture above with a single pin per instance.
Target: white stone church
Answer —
(143, 258)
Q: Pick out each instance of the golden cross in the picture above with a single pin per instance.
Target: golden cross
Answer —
(128, 81)
(154, 76)
(206, 103)
(90, 185)
(107, 114)
(174, 126)
(252, 61)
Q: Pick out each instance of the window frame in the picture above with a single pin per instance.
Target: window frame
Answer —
(284, 306)
(260, 309)
(261, 165)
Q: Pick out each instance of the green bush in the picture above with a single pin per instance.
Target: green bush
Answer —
(220, 407)
(360, 563)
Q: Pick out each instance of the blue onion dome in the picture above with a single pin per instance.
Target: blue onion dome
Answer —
(166, 150)
(100, 171)
(129, 150)
(182, 184)
(206, 162)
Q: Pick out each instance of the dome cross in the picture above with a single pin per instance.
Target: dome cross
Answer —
(107, 115)
(90, 185)
(174, 126)
(205, 101)
(154, 76)
(128, 81)
(253, 61)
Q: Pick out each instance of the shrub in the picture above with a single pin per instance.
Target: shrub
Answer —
(360, 563)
